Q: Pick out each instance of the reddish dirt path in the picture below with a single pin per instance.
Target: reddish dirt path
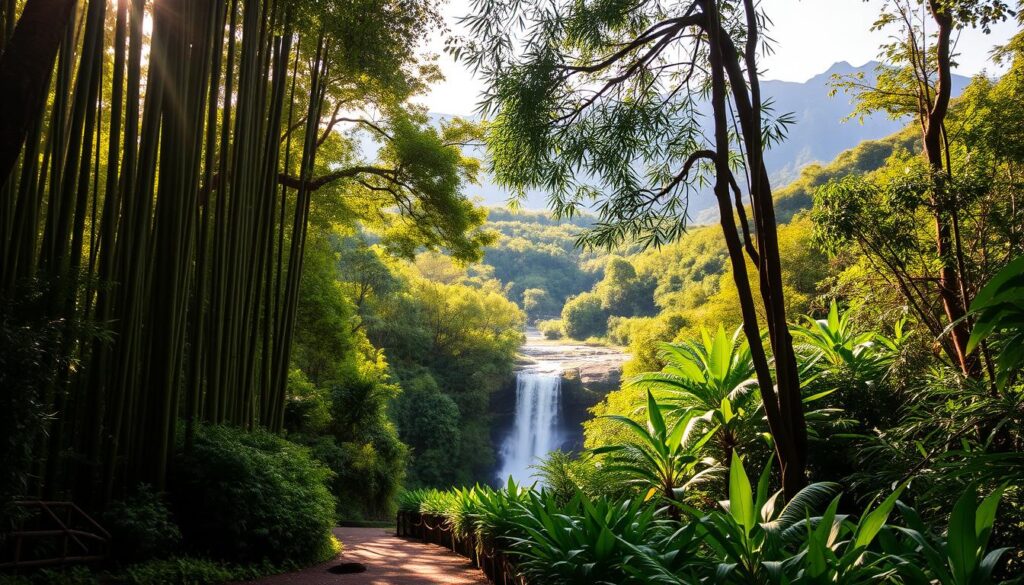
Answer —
(389, 560)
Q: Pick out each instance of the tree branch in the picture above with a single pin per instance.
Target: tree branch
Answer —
(322, 181)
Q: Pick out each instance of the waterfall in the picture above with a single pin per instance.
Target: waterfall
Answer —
(536, 424)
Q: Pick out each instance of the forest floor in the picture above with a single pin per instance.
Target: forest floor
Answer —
(389, 560)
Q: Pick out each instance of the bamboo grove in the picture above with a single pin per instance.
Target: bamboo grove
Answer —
(157, 213)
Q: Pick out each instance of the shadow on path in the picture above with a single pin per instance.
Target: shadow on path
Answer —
(389, 560)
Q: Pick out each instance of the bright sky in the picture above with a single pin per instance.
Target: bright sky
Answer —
(810, 36)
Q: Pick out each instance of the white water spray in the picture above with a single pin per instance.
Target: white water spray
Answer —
(535, 431)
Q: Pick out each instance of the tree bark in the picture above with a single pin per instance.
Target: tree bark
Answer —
(25, 69)
(950, 283)
(782, 399)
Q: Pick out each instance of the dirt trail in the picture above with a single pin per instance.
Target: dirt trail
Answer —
(389, 560)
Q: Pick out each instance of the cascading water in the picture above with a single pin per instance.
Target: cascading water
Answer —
(535, 431)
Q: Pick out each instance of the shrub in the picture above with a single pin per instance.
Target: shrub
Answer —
(583, 317)
(308, 409)
(753, 538)
(537, 303)
(178, 570)
(252, 496)
(551, 329)
(30, 357)
(141, 526)
(59, 576)
(183, 570)
(200, 571)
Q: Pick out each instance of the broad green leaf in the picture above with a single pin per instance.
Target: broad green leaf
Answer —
(721, 352)
(815, 559)
(986, 516)
(991, 290)
(807, 501)
(833, 316)
(962, 538)
(763, 485)
(654, 415)
(741, 498)
(873, 521)
(675, 440)
(605, 543)
(988, 565)
(727, 414)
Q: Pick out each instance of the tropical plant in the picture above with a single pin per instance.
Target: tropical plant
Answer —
(626, 543)
(951, 432)
(664, 459)
(998, 309)
(496, 513)
(412, 500)
(461, 511)
(555, 472)
(437, 502)
(834, 344)
(563, 474)
(747, 536)
(847, 366)
(962, 556)
(752, 539)
(756, 542)
(713, 381)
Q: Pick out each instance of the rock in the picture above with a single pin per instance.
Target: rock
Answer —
(347, 568)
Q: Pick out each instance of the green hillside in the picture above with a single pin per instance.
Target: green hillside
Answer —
(677, 288)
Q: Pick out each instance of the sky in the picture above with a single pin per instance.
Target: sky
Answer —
(810, 36)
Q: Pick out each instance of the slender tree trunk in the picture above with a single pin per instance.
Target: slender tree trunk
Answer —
(950, 279)
(781, 396)
(25, 68)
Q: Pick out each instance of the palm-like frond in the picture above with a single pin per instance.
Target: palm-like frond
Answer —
(665, 458)
(833, 344)
(710, 382)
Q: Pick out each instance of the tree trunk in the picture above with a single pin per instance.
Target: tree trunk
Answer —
(783, 403)
(950, 279)
(25, 73)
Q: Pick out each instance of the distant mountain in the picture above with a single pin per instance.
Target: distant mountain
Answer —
(819, 133)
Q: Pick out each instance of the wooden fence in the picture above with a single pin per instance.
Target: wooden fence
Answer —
(430, 528)
(54, 533)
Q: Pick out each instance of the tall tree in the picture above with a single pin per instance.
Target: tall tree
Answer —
(163, 198)
(603, 101)
(916, 80)
(26, 62)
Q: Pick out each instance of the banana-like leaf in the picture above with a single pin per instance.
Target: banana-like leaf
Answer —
(985, 517)
(962, 537)
(873, 521)
(741, 498)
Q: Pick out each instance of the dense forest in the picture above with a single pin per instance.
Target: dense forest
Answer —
(247, 294)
